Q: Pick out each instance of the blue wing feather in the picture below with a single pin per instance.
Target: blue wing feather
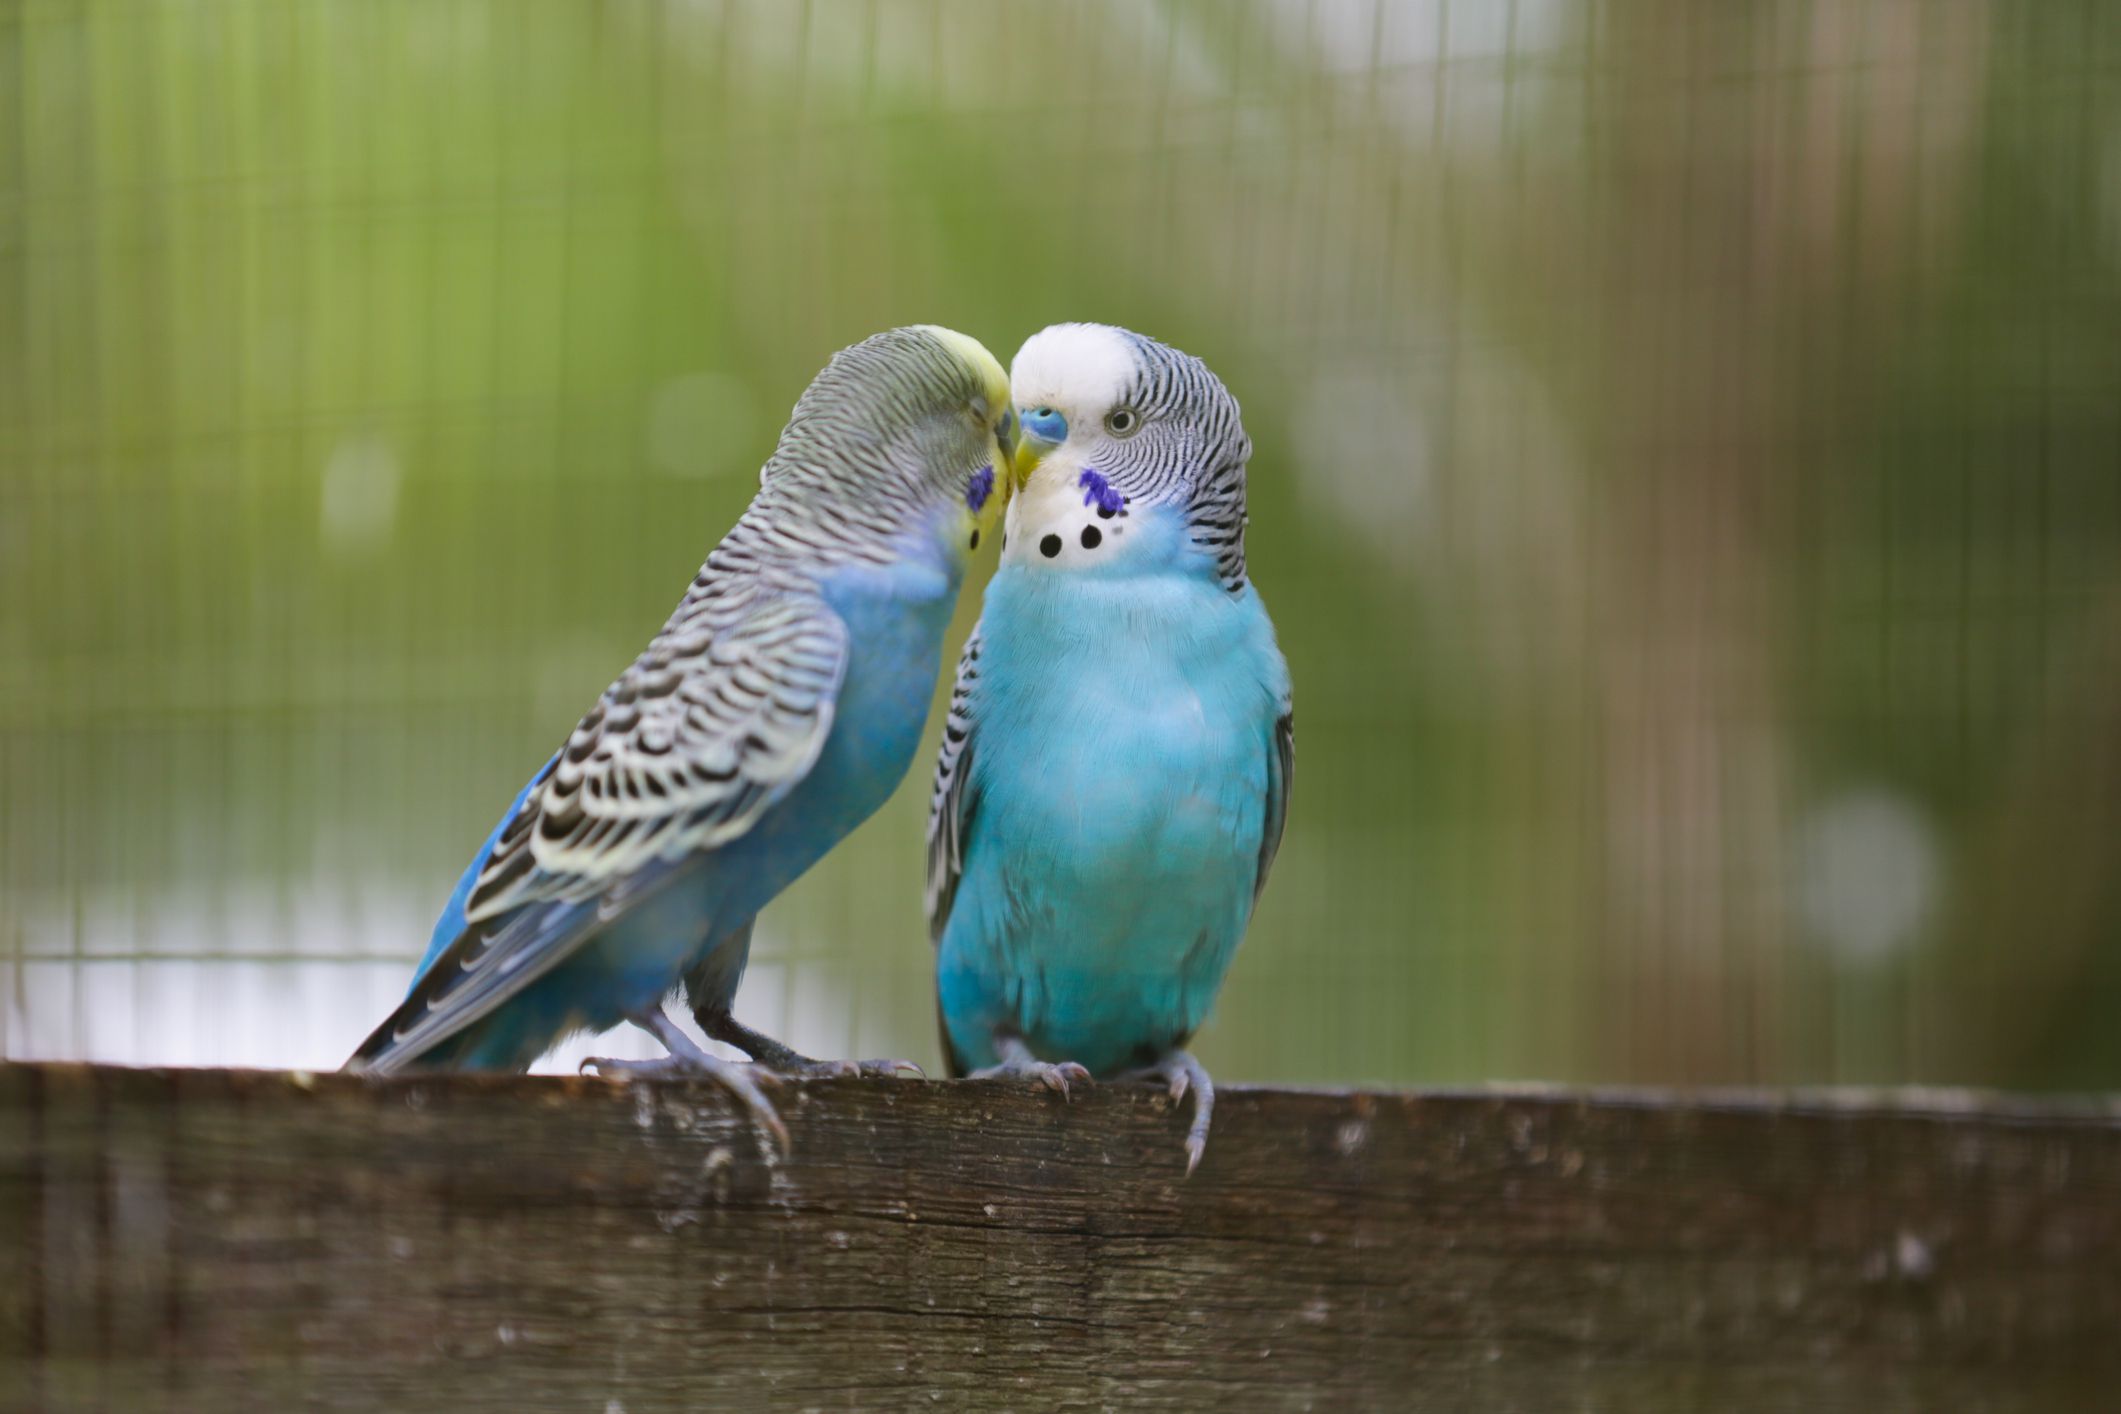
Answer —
(450, 926)
(680, 758)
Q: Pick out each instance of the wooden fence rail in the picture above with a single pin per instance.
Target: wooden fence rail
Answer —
(237, 1240)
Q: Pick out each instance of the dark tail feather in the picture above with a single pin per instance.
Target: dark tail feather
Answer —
(375, 1046)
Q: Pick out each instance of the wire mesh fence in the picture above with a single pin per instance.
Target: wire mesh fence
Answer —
(1688, 488)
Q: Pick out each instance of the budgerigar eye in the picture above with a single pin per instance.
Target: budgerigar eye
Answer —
(1122, 422)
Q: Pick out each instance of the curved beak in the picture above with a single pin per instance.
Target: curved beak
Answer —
(1008, 435)
(1031, 449)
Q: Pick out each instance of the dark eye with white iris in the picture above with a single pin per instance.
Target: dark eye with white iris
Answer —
(1123, 422)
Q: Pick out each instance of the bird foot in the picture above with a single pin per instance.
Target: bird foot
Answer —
(1180, 1072)
(738, 1078)
(783, 1060)
(1056, 1076)
(848, 1069)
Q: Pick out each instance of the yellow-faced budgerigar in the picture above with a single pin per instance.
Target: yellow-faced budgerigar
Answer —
(1115, 769)
(777, 708)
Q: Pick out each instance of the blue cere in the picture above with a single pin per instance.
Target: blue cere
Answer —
(1046, 425)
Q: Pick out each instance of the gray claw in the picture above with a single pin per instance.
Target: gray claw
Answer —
(1057, 1076)
(612, 1068)
(738, 1079)
(847, 1069)
(1181, 1072)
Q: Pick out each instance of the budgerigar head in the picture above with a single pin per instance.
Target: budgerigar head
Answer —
(910, 427)
(1132, 458)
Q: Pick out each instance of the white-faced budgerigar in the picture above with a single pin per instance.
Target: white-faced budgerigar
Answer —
(1116, 765)
(778, 707)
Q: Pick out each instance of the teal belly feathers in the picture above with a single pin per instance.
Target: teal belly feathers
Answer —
(1118, 789)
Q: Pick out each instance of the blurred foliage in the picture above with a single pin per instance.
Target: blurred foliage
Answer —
(1689, 487)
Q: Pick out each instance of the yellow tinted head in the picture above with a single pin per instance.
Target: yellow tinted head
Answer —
(992, 406)
(992, 378)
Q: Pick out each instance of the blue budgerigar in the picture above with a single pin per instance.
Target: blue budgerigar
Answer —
(1115, 770)
(777, 708)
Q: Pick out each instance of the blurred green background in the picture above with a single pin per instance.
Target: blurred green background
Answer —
(1688, 487)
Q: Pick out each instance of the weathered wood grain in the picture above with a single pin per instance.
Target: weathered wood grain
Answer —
(217, 1240)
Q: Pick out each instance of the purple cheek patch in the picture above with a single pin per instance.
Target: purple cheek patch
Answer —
(981, 487)
(1098, 492)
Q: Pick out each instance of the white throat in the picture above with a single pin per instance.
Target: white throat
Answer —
(1051, 527)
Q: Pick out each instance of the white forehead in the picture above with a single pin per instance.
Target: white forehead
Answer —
(1080, 367)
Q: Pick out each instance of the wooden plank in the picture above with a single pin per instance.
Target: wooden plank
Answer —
(242, 1240)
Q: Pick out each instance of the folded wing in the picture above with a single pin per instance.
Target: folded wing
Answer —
(710, 727)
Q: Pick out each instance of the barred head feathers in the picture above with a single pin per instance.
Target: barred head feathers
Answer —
(894, 417)
(732, 698)
(1146, 425)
